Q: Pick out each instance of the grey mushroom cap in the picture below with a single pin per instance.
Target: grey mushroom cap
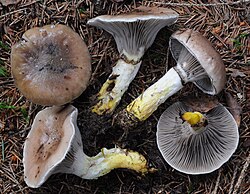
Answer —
(51, 65)
(202, 50)
(197, 151)
(135, 32)
(51, 144)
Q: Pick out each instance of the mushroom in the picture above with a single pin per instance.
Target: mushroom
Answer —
(134, 33)
(196, 142)
(197, 62)
(51, 65)
(54, 145)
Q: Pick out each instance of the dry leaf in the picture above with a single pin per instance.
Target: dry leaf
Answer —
(203, 103)
(242, 23)
(246, 143)
(236, 73)
(216, 30)
(14, 158)
(8, 30)
(233, 107)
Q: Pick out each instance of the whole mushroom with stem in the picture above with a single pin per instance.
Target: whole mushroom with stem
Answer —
(194, 140)
(197, 62)
(134, 33)
(54, 145)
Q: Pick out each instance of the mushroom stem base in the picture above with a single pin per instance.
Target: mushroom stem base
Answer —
(112, 90)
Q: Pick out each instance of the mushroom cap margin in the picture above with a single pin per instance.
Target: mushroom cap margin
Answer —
(139, 13)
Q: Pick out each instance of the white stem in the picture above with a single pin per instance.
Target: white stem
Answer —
(79, 166)
(112, 90)
(127, 73)
(144, 105)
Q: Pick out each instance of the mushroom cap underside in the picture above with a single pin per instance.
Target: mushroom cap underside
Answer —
(135, 32)
(48, 143)
(205, 54)
(51, 65)
(201, 151)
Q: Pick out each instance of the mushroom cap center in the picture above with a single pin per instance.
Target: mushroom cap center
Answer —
(51, 59)
(51, 65)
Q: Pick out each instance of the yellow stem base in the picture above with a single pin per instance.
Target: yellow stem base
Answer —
(108, 160)
(193, 118)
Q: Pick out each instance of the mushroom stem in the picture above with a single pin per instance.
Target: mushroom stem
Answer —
(134, 33)
(54, 145)
(145, 104)
(113, 89)
(188, 69)
(193, 118)
(109, 159)
(78, 163)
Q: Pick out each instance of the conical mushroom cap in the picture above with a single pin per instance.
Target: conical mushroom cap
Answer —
(196, 151)
(51, 65)
(200, 48)
(134, 32)
(49, 142)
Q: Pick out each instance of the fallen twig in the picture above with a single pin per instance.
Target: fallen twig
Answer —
(233, 180)
(242, 175)
(217, 183)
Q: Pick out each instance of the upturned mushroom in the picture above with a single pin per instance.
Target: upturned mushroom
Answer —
(197, 62)
(134, 33)
(51, 65)
(195, 142)
(54, 145)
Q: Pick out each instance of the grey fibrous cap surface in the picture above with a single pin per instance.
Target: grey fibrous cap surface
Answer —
(196, 152)
(51, 65)
(53, 139)
(135, 32)
(200, 47)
